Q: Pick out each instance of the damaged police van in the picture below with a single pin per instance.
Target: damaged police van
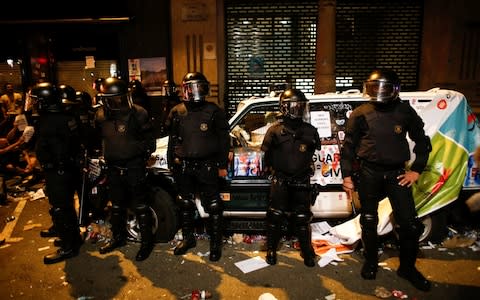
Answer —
(449, 122)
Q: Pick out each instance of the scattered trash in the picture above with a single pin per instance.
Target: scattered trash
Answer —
(459, 241)
(31, 226)
(399, 294)
(9, 219)
(331, 297)
(98, 231)
(329, 257)
(267, 296)
(200, 295)
(251, 264)
(44, 248)
(39, 194)
(203, 254)
(382, 292)
(237, 238)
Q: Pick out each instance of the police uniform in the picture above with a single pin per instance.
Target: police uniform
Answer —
(127, 143)
(198, 147)
(289, 146)
(57, 148)
(376, 137)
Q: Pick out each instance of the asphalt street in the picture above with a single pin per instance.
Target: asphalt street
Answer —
(453, 268)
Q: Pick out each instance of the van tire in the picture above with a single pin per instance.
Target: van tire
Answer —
(166, 215)
(165, 218)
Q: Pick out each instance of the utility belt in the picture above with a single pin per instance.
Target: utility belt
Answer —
(121, 167)
(57, 166)
(381, 167)
(194, 162)
(295, 182)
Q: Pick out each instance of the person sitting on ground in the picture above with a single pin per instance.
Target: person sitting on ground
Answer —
(15, 158)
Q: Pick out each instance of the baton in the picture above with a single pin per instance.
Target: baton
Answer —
(82, 190)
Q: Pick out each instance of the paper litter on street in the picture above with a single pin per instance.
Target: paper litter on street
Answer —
(251, 264)
(328, 257)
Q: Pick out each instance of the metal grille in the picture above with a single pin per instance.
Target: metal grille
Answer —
(273, 42)
(269, 43)
(378, 34)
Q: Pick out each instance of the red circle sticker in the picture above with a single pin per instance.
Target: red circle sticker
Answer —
(442, 104)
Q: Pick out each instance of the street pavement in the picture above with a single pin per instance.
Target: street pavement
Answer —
(453, 268)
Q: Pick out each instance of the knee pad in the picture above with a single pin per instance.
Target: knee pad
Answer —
(215, 207)
(302, 218)
(141, 209)
(369, 221)
(185, 203)
(275, 216)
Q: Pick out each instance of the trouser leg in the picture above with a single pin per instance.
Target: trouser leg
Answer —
(144, 218)
(66, 224)
(216, 236)
(408, 241)
(188, 225)
(274, 221)
(304, 234)
(370, 245)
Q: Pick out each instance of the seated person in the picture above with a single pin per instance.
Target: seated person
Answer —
(16, 157)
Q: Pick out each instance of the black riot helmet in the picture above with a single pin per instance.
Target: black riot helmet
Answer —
(294, 104)
(382, 86)
(195, 87)
(47, 97)
(97, 84)
(135, 86)
(84, 99)
(169, 88)
(68, 97)
(115, 95)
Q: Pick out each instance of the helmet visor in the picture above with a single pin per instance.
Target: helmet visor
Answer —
(194, 91)
(295, 109)
(380, 90)
(116, 103)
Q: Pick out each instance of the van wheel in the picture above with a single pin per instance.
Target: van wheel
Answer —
(165, 218)
(435, 227)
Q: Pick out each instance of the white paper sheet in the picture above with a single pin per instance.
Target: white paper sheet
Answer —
(251, 264)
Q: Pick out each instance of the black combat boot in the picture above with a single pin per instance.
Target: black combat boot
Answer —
(189, 240)
(119, 238)
(305, 239)
(70, 236)
(370, 246)
(407, 270)
(216, 237)
(370, 252)
(50, 232)
(273, 237)
(147, 244)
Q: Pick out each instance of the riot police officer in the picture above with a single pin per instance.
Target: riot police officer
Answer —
(57, 150)
(376, 136)
(139, 95)
(128, 142)
(198, 153)
(289, 145)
